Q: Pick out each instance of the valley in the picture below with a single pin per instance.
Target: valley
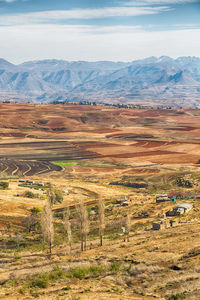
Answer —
(90, 152)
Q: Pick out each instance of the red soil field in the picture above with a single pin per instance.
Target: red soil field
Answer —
(73, 132)
(143, 171)
(138, 154)
(183, 128)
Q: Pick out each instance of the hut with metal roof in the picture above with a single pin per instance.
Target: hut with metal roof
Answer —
(162, 198)
(179, 209)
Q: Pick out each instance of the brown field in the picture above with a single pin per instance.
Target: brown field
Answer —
(94, 146)
(57, 132)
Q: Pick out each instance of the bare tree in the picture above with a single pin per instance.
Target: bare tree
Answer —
(51, 195)
(101, 213)
(47, 224)
(30, 222)
(128, 226)
(84, 224)
(67, 226)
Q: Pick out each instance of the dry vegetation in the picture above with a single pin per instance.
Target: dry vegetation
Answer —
(63, 239)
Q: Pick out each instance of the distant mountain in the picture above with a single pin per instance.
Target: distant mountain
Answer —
(5, 64)
(162, 80)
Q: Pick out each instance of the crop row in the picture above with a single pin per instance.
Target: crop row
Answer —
(26, 168)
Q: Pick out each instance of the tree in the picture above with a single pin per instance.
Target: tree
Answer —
(67, 226)
(29, 194)
(58, 196)
(55, 195)
(101, 214)
(9, 226)
(47, 224)
(84, 224)
(31, 222)
(51, 195)
(128, 226)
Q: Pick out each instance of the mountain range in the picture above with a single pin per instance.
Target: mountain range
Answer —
(161, 81)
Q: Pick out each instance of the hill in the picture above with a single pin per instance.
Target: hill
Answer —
(123, 157)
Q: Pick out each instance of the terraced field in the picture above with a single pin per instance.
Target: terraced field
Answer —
(26, 168)
(34, 158)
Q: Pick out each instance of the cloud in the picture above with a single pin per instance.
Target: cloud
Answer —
(121, 43)
(60, 15)
(8, 1)
(157, 2)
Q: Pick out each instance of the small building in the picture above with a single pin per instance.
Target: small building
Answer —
(180, 209)
(66, 192)
(125, 203)
(122, 200)
(22, 180)
(31, 181)
(158, 225)
(163, 224)
(162, 198)
(123, 229)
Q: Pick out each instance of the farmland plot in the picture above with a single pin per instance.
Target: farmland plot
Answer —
(26, 168)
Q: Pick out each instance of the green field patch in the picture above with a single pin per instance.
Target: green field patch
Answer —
(97, 165)
(64, 163)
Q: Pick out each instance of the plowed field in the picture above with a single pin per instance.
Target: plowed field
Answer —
(32, 136)
(26, 168)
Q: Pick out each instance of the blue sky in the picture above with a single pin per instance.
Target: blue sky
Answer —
(98, 30)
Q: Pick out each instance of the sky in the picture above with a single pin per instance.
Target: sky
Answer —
(93, 30)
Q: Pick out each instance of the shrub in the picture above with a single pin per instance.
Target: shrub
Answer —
(57, 273)
(79, 273)
(177, 297)
(9, 225)
(82, 272)
(22, 291)
(4, 185)
(115, 266)
(42, 282)
(87, 290)
(67, 288)
(29, 194)
(35, 210)
(35, 293)
(95, 270)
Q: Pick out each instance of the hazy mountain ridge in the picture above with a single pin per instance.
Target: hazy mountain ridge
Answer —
(152, 80)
